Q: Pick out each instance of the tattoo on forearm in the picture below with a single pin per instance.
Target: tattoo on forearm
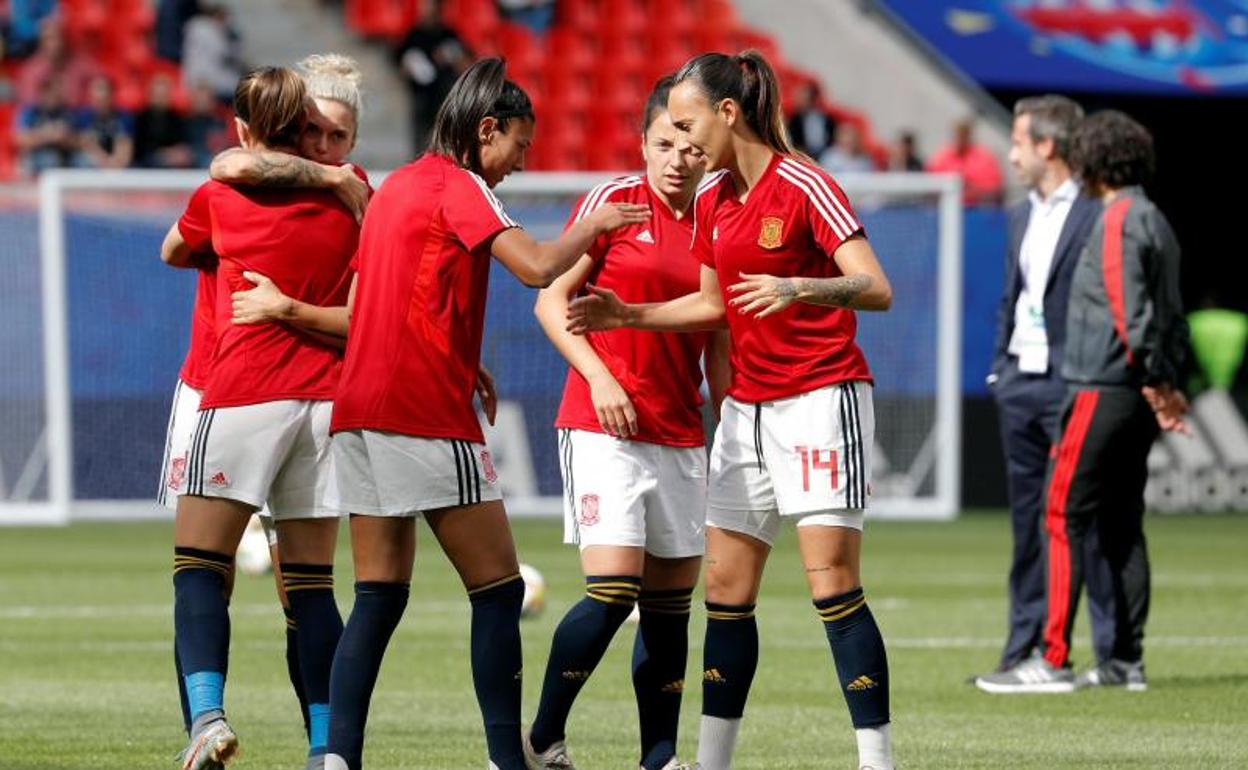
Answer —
(786, 289)
(275, 169)
(837, 292)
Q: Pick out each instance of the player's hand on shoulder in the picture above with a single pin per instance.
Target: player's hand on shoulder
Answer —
(611, 216)
(264, 302)
(597, 310)
(352, 191)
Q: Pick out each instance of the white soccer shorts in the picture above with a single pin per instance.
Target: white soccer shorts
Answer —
(183, 416)
(807, 456)
(633, 493)
(274, 453)
(390, 474)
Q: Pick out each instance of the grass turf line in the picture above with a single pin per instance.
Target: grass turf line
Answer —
(86, 629)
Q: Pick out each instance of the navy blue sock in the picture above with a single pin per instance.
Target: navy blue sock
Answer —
(186, 705)
(660, 653)
(377, 611)
(292, 667)
(497, 667)
(858, 649)
(580, 642)
(310, 590)
(201, 621)
(729, 659)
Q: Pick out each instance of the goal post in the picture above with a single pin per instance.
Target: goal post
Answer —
(112, 328)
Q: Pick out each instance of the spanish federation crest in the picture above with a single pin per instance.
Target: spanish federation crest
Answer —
(771, 236)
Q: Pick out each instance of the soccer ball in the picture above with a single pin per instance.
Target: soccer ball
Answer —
(534, 592)
(253, 550)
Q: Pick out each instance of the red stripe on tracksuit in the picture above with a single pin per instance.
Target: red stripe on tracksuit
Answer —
(1056, 645)
(1111, 266)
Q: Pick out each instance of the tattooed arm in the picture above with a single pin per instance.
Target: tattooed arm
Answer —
(863, 285)
(269, 168)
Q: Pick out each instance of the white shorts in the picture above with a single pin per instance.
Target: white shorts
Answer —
(275, 452)
(807, 456)
(390, 474)
(183, 416)
(633, 493)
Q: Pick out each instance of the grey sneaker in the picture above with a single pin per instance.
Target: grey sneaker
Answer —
(1034, 675)
(1114, 673)
(555, 757)
(211, 748)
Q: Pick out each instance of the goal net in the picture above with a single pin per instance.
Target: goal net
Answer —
(98, 327)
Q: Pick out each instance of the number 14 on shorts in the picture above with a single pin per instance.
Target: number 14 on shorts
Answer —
(814, 460)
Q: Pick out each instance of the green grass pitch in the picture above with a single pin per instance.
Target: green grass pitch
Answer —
(86, 682)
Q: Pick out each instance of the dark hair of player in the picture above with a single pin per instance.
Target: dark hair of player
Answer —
(272, 101)
(1111, 150)
(1053, 117)
(656, 103)
(748, 80)
(483, 91)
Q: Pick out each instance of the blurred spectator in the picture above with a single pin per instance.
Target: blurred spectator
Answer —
(848, 154)
(55, 60)
(210, 52)
(160, 135)
(537, 15)
(45, 135)
(206, 126)
(431, 58)
(982, 182)
(22, 30)
(904, 154)
(171, 19)
(810, 127)
(106, 134)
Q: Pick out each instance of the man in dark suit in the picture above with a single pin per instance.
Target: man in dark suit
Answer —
(810, 127)
(1047, 232)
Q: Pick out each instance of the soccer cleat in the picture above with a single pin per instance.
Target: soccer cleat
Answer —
(553, 758)
(1034, 675)
(675, 764)
(1114, 673)
(211, 748)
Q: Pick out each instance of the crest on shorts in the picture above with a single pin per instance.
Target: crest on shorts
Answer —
(589, 510)
(771, 236)
(487, 467)
(177, 472)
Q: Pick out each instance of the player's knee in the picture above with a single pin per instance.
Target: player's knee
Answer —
(727, 586)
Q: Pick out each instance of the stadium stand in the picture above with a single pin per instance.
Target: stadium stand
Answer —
(596, 64)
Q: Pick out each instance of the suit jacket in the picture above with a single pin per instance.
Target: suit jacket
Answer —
(1084, 213)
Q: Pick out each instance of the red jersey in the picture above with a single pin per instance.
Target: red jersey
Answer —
(791, 223)
(301, 239)
(416, 327)
(660, 371)
(198, 363)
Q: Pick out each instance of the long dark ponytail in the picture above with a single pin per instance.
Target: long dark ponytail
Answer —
(750, 81)
(482, 91)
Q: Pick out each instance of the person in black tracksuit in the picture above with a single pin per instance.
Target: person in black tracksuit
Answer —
(1126, 344)
(1047, 232)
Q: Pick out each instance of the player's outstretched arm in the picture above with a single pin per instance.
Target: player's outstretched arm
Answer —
(614, 409)
(538, 263)
(862, 285)
(602, 309)
(265, 303)
(268, 168)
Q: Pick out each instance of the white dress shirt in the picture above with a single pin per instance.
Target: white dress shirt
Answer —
(1029, 341)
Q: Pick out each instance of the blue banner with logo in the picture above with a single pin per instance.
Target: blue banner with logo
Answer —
(1161, 47)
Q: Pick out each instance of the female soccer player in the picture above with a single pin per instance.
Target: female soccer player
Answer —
(796, 429)
(633, 448)
(406, 437)
(262, 435)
